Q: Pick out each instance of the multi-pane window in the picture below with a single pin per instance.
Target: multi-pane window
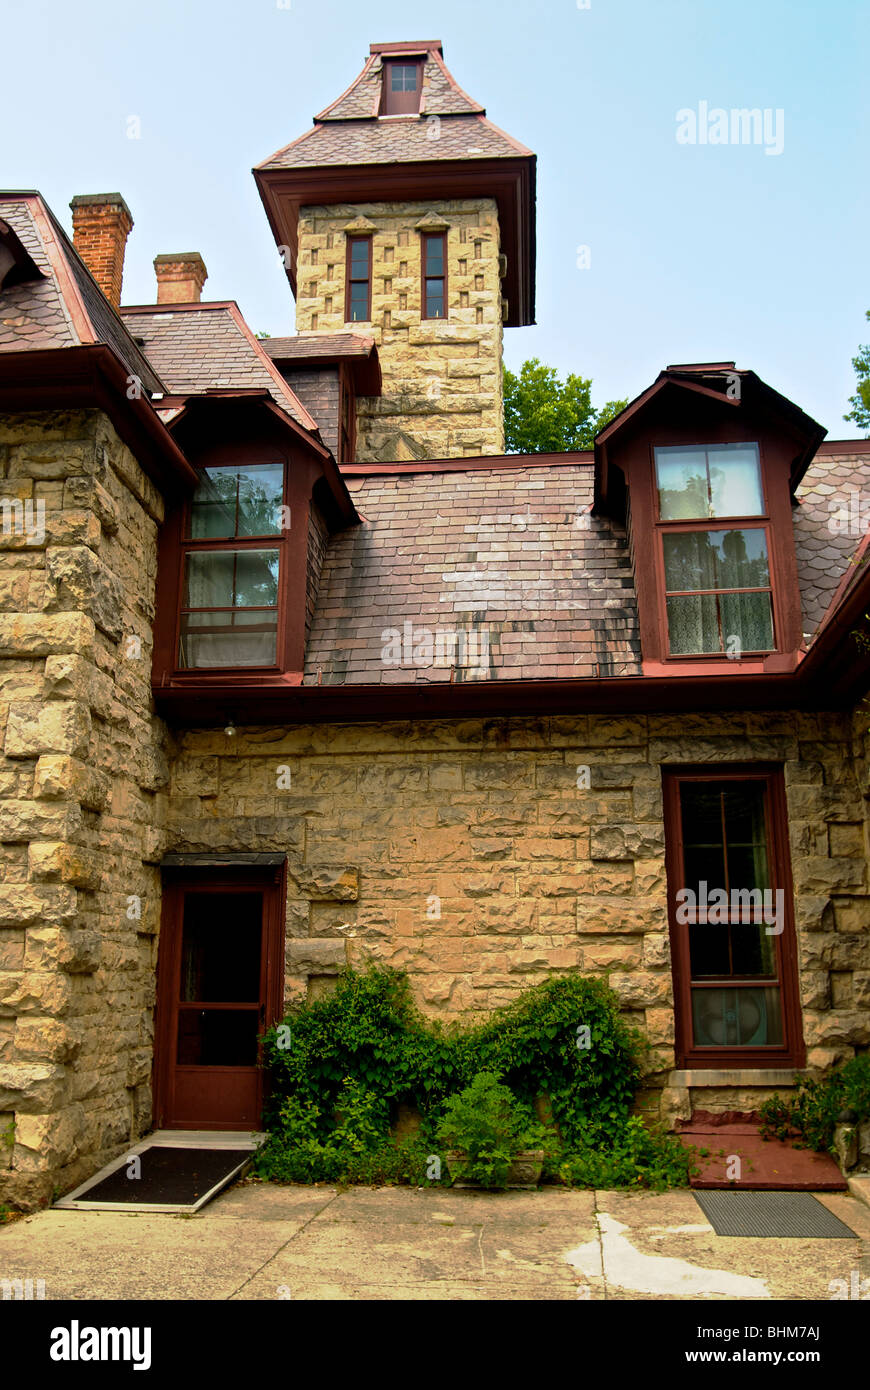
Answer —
(402, 86)
(229, 599)
(435, 276)
(717, 579)
(359, 279)
(731, 925)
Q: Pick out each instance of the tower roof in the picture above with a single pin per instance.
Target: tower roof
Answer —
(447, 148)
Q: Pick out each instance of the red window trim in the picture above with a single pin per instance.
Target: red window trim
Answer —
(792, 1051)
(401, 103)
(424, 238)
(763, 521)
(274, 541)
(367, 238)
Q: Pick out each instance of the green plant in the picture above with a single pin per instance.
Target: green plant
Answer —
(636, 1157)
(356, 1055)
(809, 1115)
(7, 1135)
(487, 1127)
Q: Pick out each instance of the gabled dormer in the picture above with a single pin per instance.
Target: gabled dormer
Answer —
(702, 467)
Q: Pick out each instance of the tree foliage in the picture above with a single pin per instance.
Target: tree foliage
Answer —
(860, 402)
(543, 414)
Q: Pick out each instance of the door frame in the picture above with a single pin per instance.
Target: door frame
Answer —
(197, 873)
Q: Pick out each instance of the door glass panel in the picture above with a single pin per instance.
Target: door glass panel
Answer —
(217, 1037)
(220, 950)
(220, 964)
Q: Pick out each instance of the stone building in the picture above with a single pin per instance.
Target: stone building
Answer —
(300, 670)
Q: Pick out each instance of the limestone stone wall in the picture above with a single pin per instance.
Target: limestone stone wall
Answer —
(442, 379)
(80, 777)
(467, 853)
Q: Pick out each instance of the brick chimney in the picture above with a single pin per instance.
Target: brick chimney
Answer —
(180, 277)
(101, 225)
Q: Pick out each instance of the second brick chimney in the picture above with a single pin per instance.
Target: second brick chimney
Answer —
(180, 277)
(101, 225)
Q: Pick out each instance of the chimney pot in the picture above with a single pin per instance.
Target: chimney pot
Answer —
(101, 224)
(180, 277)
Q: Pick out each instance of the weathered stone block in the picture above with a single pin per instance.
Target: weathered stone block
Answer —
(59, 726)
(309, 956)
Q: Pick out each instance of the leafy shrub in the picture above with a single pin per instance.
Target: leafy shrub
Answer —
(637, 1157)
(356, 1054)
(810, 1113)
(487, 1127)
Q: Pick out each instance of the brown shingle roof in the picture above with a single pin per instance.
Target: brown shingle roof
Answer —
(67, 308)
(441, 95)
(510, 553)
(401, 140)
(201, 347)
(331, 345)
(830, 523)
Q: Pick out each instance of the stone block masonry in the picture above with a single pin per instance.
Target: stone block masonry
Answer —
(472, 855)
(442, 378)
(83, 769)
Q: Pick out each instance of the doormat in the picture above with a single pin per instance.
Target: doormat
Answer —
(788, 1215)
(160, 1177)
(772, 1165)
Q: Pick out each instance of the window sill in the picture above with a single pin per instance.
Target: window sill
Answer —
(695, 1078)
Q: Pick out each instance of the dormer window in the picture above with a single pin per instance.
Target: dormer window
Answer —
(402, 86)
(231, 566)
(717, 579)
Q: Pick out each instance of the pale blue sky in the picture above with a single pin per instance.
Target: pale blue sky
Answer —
(697, 252)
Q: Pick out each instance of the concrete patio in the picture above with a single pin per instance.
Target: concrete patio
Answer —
(262, 1242)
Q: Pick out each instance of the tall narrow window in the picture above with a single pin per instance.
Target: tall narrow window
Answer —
(359, 279)
(717, 583)
(435, 276)
(731, 924)
(229, 598)
(402, 86)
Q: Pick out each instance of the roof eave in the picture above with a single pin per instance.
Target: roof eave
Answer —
(91, 376)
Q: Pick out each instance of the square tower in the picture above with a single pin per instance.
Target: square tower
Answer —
(406, 216)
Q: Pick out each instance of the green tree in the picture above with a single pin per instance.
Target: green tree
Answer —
(860, 403)
(544, 415)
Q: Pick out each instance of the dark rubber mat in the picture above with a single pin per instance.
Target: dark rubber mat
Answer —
(784, 1214)
(169, 1175)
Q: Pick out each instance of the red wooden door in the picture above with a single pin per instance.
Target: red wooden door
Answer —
(219, 987)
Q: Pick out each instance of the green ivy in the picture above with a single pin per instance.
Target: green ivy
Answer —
(809, 1115)
(340, 1066)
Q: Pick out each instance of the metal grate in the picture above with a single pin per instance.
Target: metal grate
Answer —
(783, 1214)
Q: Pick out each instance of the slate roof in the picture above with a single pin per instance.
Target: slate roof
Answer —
(400, 141)
(510, 553)
(350, 131)
(441, 95)
(304, 346)
(202, 347)
(66, 308)
(830, 523)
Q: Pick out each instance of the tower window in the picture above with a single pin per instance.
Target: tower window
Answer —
(359, 279)
(435, 276)
(402, 86)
